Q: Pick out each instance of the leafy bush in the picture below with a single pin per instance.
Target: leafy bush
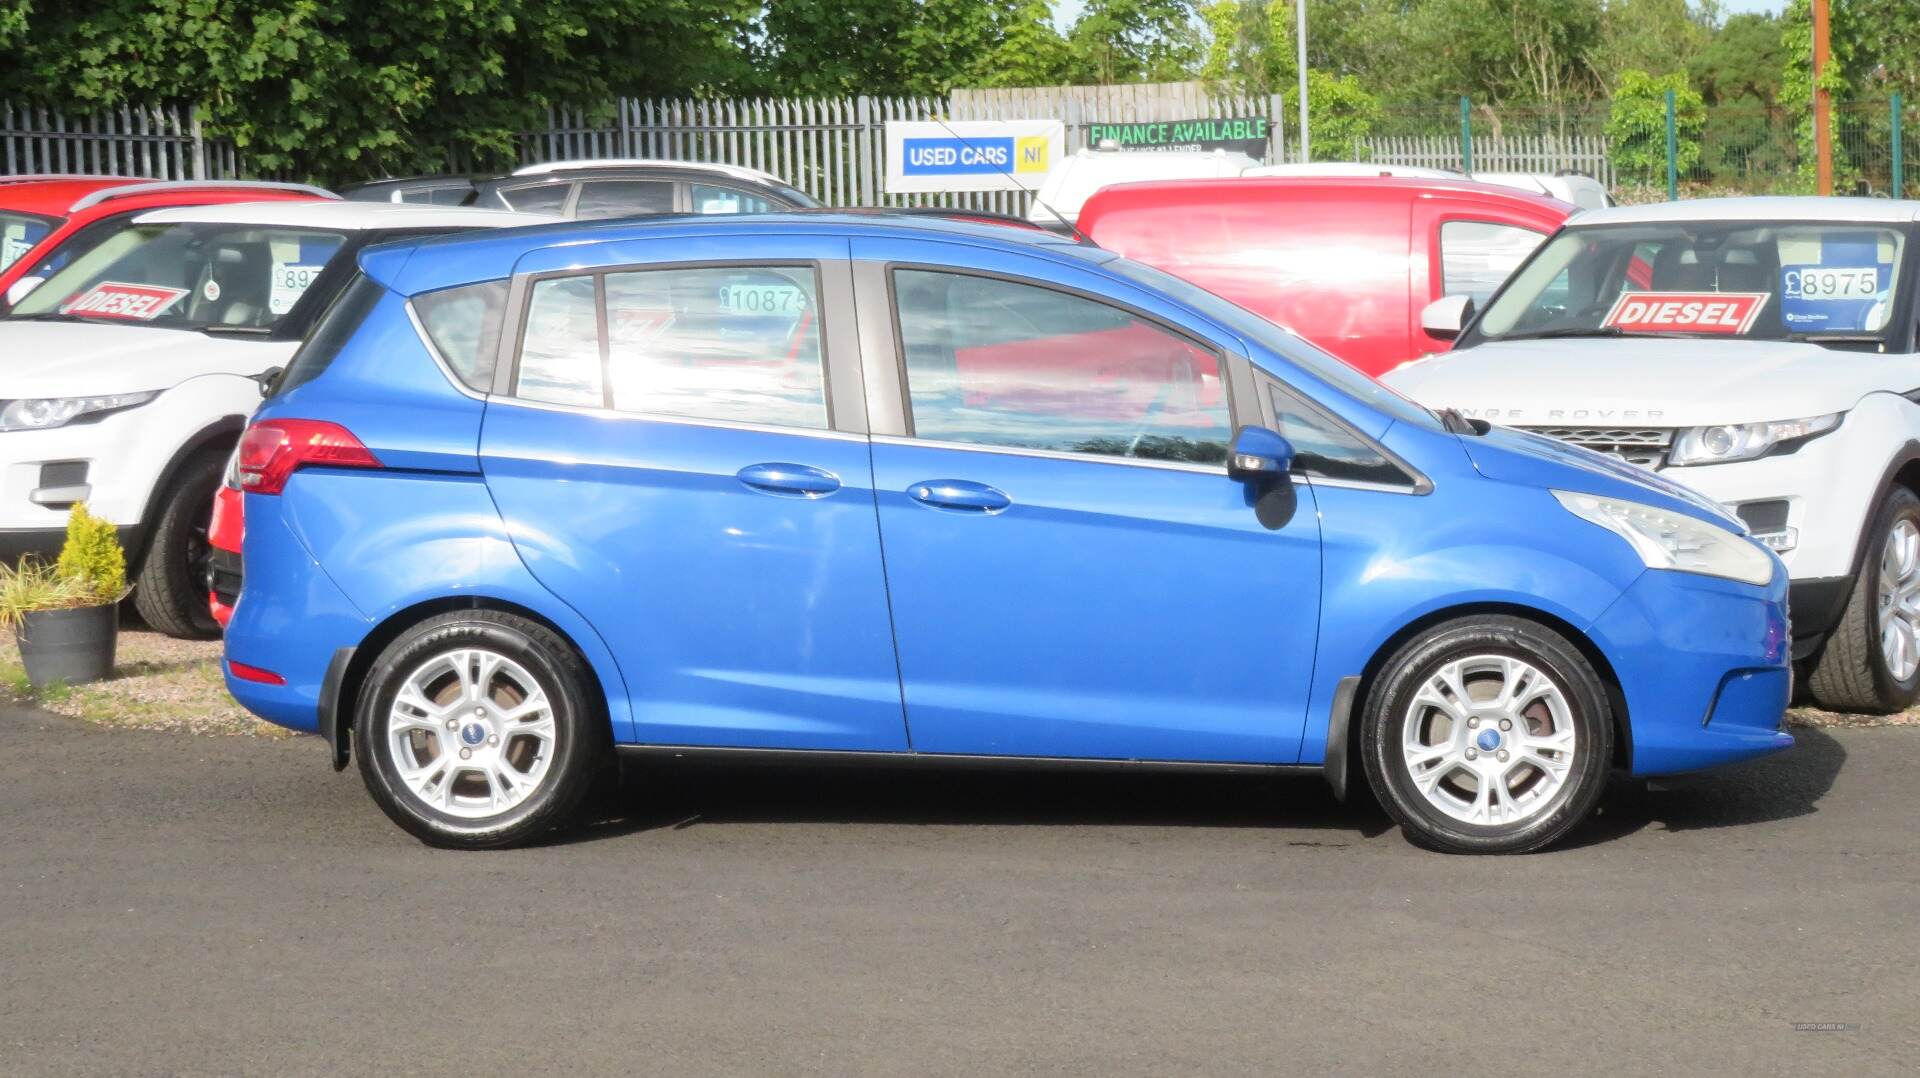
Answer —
(92, 556)
(1340, 112)
(1637, 125)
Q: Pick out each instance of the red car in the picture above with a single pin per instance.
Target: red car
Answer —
(1346, 262)
(46, 221)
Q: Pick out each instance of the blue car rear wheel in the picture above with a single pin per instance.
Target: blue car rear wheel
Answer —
(474, 729)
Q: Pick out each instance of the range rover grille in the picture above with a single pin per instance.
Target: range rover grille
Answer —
(1644, 446)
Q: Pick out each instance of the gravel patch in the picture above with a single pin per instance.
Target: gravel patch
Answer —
(161, 683)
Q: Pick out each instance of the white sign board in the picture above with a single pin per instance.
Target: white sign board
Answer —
(971, 155)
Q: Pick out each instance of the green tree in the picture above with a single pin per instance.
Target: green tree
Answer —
(1340, 115)
(1137, 40)
(1030, 52)
(1743, 63)
(1637, 125)
(344, 89)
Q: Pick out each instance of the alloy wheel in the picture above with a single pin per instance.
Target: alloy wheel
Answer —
(1899, 599)
(472, 733)
(1489, 740)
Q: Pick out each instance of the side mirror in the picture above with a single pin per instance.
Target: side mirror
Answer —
(1259, 453)
(21, 287)
(1445, 318)
(267, 379)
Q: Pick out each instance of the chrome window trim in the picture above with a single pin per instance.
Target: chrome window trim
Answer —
(1055, 454)
(677, 420)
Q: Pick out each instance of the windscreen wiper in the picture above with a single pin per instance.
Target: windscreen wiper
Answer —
(237, 331)
(1553, 334)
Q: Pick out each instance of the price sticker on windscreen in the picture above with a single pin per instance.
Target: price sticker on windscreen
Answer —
(290, 282)
(132, 302)
(1817, 298)
(1723, 313)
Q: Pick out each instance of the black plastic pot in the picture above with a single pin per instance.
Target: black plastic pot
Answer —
(72, 646)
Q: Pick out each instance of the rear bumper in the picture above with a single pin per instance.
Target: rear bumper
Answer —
(1703, 666)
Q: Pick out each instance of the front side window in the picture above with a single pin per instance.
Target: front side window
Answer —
(19, 232)
(189, 275)
(1001, 363)
(733, 344)
(1752, 279)
(1476, 256)
(623, 198)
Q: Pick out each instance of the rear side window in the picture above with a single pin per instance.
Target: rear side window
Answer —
(623, 198)
(735, 344)
(18, 234)
(464, 325)
(334, 329)
(1475, 256)
(710, 198)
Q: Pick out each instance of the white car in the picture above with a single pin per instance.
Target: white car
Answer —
(1759, 350)
(126, 377)
(1074, 178)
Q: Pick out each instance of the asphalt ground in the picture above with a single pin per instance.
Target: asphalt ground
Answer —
(179, 904)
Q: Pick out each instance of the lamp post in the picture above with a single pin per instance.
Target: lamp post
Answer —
(1300, 54)
(1822, 105)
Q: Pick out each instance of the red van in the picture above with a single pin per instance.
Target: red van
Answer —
(1346, 262)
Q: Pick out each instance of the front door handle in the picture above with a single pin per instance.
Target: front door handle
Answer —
(789, 480)
(959, 494)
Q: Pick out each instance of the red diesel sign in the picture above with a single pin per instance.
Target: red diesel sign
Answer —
(1728, 313)
(136, 302)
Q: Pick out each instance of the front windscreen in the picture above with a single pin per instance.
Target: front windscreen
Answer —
(1767, 280)
(18, 234)
(187, 276)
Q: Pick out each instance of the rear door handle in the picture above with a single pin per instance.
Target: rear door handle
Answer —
(959, 494)
(789, 480)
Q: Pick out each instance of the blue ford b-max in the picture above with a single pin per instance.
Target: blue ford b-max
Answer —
(865, 489)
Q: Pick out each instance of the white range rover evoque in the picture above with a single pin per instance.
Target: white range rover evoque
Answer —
(126, 377)
(1759, 350)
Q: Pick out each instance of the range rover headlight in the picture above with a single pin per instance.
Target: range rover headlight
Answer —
(1667, 540)
(44, 412)
(1745, 441)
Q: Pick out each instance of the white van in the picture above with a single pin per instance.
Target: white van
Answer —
(1070, 183)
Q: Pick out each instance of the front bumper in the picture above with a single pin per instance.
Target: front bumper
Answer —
(1703, 668)
(44, 543)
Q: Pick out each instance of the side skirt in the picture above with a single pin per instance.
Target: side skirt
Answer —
(842, 758)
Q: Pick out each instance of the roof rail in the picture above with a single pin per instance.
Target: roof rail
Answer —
(134, 189)
(38, 177)
(736, 171)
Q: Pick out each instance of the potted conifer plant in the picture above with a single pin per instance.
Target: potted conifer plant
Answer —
(66, 617)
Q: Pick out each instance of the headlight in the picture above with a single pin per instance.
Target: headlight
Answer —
(1744, 441)
(59, 411)
(1667, 540)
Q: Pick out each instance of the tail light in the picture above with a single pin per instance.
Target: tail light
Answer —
(274, 449)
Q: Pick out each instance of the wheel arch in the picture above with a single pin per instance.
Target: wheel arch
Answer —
(221, 434)
(1370, 673)
(341, 694)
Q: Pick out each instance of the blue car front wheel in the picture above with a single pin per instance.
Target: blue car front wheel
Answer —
(1490, 734)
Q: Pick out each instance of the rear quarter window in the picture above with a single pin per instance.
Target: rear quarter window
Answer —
(463, 325)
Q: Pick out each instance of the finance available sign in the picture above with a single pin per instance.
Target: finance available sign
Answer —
(1248, 135)
(971, 155)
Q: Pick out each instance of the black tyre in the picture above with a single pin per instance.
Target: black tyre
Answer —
(478, 729)
(1871, 660)
(1490, 734)
(171, 591)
